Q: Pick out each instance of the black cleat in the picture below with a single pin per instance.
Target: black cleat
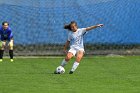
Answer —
(55, 72)
(71, 72)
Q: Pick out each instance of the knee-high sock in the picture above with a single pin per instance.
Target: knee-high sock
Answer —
(75, 65)
(1, 54)
(11, 54)
(63, 63)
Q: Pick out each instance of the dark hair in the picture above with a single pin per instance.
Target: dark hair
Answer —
(5, 22)
(68, 26)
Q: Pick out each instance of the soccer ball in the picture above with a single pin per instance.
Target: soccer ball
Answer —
(60, 70)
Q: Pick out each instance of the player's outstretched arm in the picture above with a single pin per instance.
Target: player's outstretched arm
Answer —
(93, 27)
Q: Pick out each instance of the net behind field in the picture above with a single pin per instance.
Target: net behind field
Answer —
(38, 25)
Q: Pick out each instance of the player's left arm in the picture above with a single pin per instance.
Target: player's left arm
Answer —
(93, 27)
(10, 39)
(10, 35)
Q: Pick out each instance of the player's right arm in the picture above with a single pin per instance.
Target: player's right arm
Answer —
(93, 27)
(66, 46)
(0, 39)
(10, 34)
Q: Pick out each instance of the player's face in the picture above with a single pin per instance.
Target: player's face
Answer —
(73, 27)
(5, 26)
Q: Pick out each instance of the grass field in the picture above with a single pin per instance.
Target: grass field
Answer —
(97, 74)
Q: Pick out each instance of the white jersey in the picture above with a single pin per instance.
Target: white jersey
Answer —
(76, 38)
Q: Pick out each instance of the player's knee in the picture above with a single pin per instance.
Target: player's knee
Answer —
(78, 58)
(68, 57)
(2, 47)
(11, 47)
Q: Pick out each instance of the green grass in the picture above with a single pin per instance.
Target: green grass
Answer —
(97, 74)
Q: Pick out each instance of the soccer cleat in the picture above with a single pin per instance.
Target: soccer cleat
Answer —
(71, 72)
(55, 72)
(1, 60)
(11, 60)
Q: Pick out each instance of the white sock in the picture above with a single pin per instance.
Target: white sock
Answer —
(63, 63)
(75, 65)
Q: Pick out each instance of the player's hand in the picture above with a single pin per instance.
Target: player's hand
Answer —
(65, 51)
(99, 25)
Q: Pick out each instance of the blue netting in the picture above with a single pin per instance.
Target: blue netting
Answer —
(41, 21)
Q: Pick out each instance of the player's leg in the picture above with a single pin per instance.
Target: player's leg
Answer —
(69, 55)
(67, 58)
(3, 44)
(11, 44)
(79, 56)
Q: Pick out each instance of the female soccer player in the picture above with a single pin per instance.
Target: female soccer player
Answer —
(75, 39)
(6, 38)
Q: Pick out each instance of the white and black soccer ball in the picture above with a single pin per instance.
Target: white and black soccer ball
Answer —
(60, 70)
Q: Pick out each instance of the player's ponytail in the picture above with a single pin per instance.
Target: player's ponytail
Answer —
(67, 27)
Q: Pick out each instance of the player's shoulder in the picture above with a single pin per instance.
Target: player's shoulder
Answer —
(0, 27)
(9, 29)
(81, 29)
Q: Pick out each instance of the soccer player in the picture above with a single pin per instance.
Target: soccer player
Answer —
(6, 38)
(75, 39)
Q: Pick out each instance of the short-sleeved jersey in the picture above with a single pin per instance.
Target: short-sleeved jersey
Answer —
(6, 34)
(76, 38)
